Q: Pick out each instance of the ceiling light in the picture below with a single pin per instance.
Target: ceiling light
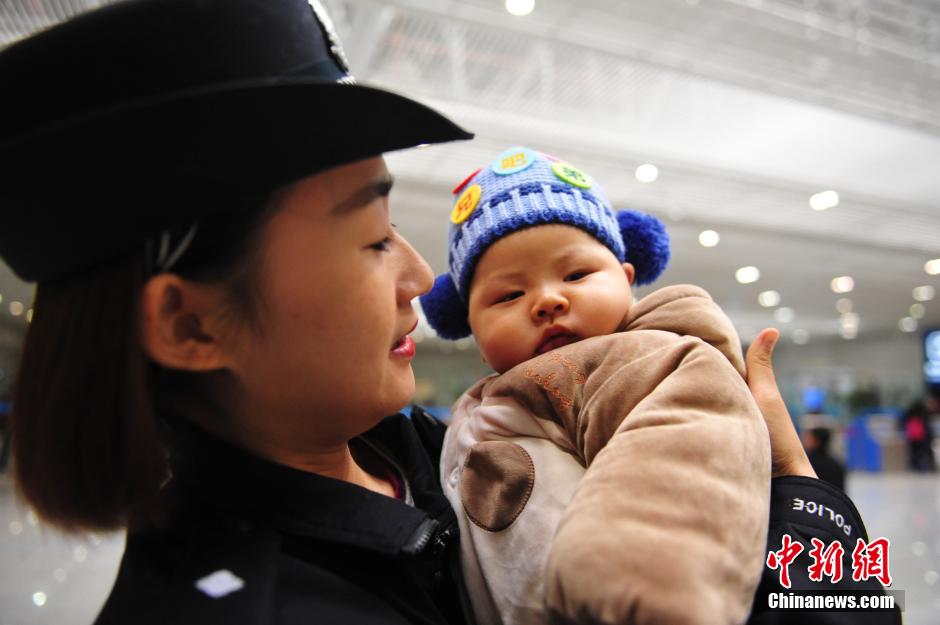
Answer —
(849, 319)
(824, 200)
(917, 311)
(520, 8)
(848, 324)
(747, 275)
(16, 309)
(842, 284)
(907, 324)
(844, 305)
(932, 266)
(921, 294)
(39, 598)
(800, 336)
(647, 173)
(784, 314)
(708, 238)
(768, 299)
(29, 315)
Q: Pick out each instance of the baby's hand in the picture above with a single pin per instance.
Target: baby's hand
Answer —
(787, 453)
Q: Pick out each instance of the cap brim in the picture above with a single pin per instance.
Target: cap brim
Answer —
(130, 170)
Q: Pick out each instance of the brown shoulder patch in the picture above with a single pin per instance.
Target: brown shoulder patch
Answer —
(496, 482)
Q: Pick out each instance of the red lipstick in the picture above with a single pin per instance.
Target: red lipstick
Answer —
(405, 346)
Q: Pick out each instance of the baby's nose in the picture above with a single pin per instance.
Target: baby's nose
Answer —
(550, 305)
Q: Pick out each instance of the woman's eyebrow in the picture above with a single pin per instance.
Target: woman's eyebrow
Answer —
(365, 195)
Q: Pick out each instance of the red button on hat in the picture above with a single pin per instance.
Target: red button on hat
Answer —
(460, 186)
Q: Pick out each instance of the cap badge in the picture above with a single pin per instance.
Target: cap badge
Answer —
(336, 48)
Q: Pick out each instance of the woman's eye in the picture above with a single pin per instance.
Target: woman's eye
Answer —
(575, 276)
(382, 246)
(508, 297)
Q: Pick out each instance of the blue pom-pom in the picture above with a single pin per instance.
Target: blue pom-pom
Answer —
(646, 242)
(444, 309)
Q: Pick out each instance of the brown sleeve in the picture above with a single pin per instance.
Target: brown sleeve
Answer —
(669, 521)
(687, 310)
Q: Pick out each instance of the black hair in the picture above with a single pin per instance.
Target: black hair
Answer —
(88, 446)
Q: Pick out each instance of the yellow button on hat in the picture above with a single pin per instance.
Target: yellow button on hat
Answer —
(572, 175)
(466, 204)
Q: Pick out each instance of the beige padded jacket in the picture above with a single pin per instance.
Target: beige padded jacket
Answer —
(621, 479)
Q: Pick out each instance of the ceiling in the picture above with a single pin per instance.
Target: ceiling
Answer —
(747, 108)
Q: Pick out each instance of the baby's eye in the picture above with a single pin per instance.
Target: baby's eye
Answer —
(508, 297)
(576, 275)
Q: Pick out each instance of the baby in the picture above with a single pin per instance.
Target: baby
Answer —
(615, 468)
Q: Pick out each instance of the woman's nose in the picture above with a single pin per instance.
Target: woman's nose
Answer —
(415, 277)
(549, 305)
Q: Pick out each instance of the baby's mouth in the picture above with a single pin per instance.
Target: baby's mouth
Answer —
(556, 341)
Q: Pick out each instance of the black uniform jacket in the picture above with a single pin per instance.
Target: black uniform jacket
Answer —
(303, 548)
(285, 546)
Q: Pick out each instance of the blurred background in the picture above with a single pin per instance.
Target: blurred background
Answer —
(792, 148)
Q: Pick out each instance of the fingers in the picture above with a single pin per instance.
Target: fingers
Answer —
(789, 457)
(760, 371)
(758, 357)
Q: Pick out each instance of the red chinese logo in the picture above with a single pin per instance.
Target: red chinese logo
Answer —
(826, 562)
(868, 560)
(783, 558)
(871, 560)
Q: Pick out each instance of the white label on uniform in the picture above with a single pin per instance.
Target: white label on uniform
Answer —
(817, 509)
(220, 583)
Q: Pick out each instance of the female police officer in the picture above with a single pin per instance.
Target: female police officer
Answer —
(222, 317)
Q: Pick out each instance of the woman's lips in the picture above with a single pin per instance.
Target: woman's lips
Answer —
(405, 346)
(556, 341)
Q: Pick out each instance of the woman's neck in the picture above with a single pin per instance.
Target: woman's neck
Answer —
(335, 460)
(341, 464)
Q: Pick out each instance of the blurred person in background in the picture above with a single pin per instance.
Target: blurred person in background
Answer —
(4, 433)
(221, 320)
(918, 434)
(816, 442)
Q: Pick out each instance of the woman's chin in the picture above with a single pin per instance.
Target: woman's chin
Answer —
(402, 392)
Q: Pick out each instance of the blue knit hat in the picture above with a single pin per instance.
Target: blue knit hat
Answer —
(524, 188)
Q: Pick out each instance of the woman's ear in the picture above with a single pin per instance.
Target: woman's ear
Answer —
(630, 271)
(179, 324)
